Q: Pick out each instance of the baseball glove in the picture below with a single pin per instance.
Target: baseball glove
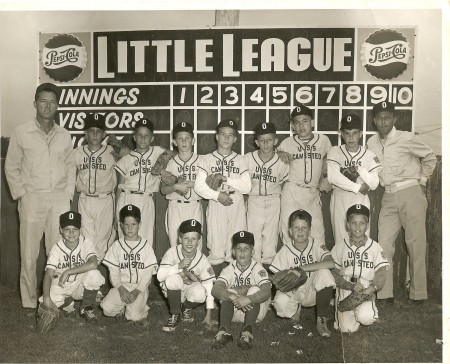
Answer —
(168, 178)
(188, 277)
(161, 162)
(47, 318)
(351, 173)
(289, 279)
(352, 301)
(214, 181)
(120, 149)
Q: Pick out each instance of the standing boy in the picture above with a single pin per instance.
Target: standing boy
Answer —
(186, 276)
(352, 171)
(244, 290)
(184, 203)
(361, 267)
(307, 173)
(132, 263)
(226, 209)
(267, 173)
(313, 258)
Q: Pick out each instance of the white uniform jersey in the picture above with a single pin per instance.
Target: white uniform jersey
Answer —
(136, 167)
(306, 168)
(254, 275)
(62, 258)
(266, 177)
(96, 174)
(184, 170)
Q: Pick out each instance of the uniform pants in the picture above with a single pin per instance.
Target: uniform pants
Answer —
(176, 213)
(405, 208)
(39, 214)
(294, 197)
(194, 292)
(113, 305)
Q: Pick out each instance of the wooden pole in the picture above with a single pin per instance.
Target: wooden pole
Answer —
(227, 18)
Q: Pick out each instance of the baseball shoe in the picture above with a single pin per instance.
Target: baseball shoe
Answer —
(222, 338)
(322, 327)
(172, 323)
(69, 313)
(385, 301)
(30, 311)
(141, 323)
(416, 303)
(245, 342)
(88, 314)
(187, 315)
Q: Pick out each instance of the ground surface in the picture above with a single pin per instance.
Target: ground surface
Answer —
(403, 334)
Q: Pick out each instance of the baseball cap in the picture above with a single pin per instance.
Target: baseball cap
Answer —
(265, 128)
(49, 87)
(358, 209)
(383, 106)
(302, 110)
(191, 225)
(228, 123)
(351, 121)
(243, 237)
(300, 214)
(70, 218)
(183, 126)
(94, 120)
(146, 123)
(129, 210)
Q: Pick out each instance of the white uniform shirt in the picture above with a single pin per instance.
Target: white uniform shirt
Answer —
(306, 168)
(266, 177)
(62, 258)
(254, 275)
(184, 170)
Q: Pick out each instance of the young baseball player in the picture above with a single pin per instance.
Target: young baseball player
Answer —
(96, 182)
(307, 173)
(244, 291)
(350, 188)
(71, 271)
(360, 266)
(136, 184)
(314, 258)
(226, 210)
(186, 276)
(267, 173)
(132, 263)
(184, 203)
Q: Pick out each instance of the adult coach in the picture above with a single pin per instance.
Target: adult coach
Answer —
(40, 171)
(407, 163)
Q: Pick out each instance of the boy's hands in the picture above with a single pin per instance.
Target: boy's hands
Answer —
(243, 303)
(63, 278)
(285, 157)
(186, 262)
(225, 199)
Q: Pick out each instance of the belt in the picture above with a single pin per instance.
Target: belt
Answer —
(228, 192)
(97, 195)
(398, 186)
(299, 185)
(138, 192)
(181, 201)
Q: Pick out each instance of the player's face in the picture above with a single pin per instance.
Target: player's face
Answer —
(71, 234)
(46, 105)
(243, 253)
(184, 141)
(384, 122)
(143, 138)
(299, 230)
(357, 225)
(266, 143)
(189, 241)
(130, 227)
(351, 138)
(302, 125)
(94, 136)
(226, 137)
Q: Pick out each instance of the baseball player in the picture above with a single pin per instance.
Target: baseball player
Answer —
(348, 191)
(96, 181)
(314, 258)
(360, 265)
(132, 263)
(267, 173)
(244, 289)
(226, 210)
(307, 173)
(136, 184)
(184, 203)
(71, 271)
(186, 277)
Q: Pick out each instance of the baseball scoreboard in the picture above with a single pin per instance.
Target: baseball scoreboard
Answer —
(203, 76)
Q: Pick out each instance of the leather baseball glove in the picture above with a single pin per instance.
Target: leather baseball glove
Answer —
(214, 181)
(188, 277)
(289, 279)
(120, 149)
(161, 162)
(47, 318)
(351, 173)
(168, 178)
(352, 301)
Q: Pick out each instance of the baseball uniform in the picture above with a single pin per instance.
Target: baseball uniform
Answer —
(289, 256)
(359, 263)
(345, 192)
(131, 265)
(263, 205)
(300, 191)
